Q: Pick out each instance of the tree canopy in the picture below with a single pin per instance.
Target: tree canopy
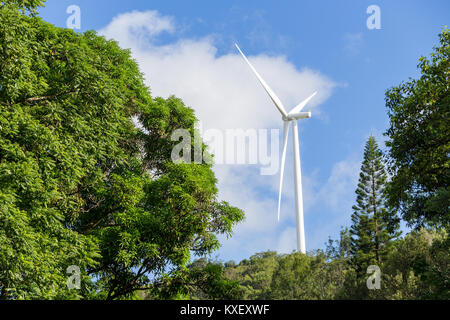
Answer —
(416, 268)
(419, 141)
(86, 176)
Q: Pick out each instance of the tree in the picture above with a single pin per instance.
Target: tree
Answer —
(339, 249)
(373, 224)
(26, 6)
(203, 279)
(80, 183)
(311, 276)
(290, 277)
(419, 141)
(418, 267)
(256, 276)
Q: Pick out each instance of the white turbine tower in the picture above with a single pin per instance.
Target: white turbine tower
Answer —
(294, 115)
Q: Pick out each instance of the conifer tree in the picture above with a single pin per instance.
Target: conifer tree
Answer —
(374, 226)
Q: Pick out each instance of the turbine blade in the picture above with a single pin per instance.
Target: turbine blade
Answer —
(283, 159)
(302, 104)
(269, 91)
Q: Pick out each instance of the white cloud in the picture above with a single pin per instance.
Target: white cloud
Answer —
(137, 27)
(339, 189)
(225, 94)
(221, 89)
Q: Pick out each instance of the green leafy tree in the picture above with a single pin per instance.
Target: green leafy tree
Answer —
(255, 274)
(307, 277)
(202, 279)
(417, 267)
(373, 224)
(340, 249)
(26, 6)
(289, 278)
(419, 141)
(80, 183)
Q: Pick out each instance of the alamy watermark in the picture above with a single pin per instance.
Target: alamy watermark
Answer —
(374, 280)
(74, 280)
(374, 20)
(74, 20)
(229, 146)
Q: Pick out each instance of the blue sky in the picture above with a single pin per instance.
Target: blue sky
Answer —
(186, 48)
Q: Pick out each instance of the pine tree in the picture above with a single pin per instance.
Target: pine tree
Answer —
(374, 226)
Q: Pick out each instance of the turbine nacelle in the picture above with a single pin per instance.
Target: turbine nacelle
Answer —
(297, 116)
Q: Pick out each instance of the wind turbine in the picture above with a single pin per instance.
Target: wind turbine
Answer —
(293, 115)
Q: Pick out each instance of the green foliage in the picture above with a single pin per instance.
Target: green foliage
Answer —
(203, 279)
(80, 184)
(416, 267)
(419, 141)
(301, 276)
(254, 274)
(340, 249)
(267, 275)
(26, 6)
(292, 270)
(373, 224)
(213, 284)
